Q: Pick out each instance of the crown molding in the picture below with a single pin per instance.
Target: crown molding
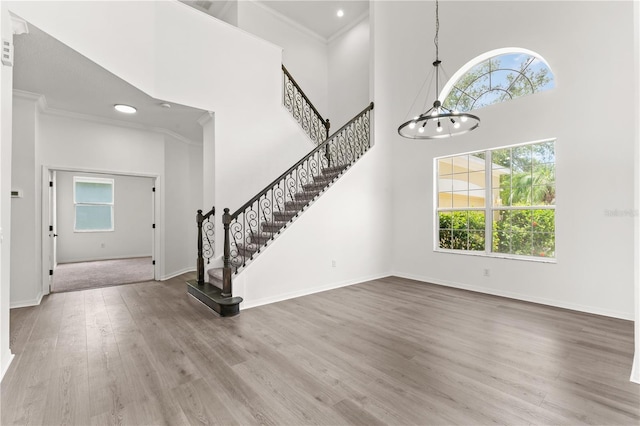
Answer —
(41, 102)
(18, 25)
(342, 31)
(288, 21)
(205, 118)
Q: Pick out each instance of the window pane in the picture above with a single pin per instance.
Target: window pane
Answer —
(522, 177)
(459, 240)
(93, 218)
(543, 195)
(520, 196)
(501, 242)
(476, 240)
(476, 220)
(543, 221)
(498, 79)
(501, 159)
(460, 182)
(476, 198)
(476, 180)
(521, 159)
(461, 199)
(445, 199)
(445, 239)
(544, 244)
(445, 166)
(461, 164)
(544, 174)
(94, 192)
(445, 220)
(460, 220)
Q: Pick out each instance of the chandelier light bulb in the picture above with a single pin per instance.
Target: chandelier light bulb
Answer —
(459, 122)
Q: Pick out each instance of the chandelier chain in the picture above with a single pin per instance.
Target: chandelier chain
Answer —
(435, 39)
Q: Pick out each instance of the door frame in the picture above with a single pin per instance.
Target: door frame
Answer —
(48, 260)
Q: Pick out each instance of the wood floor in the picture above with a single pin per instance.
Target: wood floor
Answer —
(390, 351)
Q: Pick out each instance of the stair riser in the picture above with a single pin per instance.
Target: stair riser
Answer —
(305, 197)
(271, 228)
(314, 187)
(284, 217)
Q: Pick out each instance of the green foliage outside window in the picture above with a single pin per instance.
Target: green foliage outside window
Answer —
(526, 181)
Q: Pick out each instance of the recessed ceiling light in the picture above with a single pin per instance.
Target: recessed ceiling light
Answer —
(340, 13)
(127, 109)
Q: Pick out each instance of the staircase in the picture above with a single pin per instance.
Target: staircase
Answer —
(250, 229)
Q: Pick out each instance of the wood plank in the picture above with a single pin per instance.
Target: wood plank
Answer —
(389, 351)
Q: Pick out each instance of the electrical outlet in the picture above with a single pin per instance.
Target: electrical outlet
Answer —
(333, 263)
(487, 272)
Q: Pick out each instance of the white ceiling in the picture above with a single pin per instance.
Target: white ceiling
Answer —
(317, 16)
(320, 16)
(71, 82)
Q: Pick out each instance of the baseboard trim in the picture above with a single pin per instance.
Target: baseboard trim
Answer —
(6, 366)
(99, 259)
(175, 274)
(635, 370)
(27, 303)
(309, 291)
(518, 296)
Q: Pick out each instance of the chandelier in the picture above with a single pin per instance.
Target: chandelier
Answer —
(438, 122)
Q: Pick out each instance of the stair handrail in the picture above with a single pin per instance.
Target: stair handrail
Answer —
(306, 157)
(344, 147)
(205, 250)
(300, 119)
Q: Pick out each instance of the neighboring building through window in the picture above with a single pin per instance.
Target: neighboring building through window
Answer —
(499, 202)
(93, 201)
(497, 76)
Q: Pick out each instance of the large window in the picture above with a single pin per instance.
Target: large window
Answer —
(495, 77)
(93, 201)
(498, 202)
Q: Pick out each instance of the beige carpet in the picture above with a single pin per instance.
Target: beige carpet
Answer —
(76, 276)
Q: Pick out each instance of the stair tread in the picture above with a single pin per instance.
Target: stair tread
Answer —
(212, 297)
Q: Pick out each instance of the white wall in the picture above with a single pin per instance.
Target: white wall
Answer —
(349, 224)
(183, 182)
(6, 87)
(26, 221)
(349, 55)
(304, 54)
(594, 149)
(132, 212)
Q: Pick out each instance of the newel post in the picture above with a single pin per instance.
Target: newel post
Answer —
(199, 220)
(226, 269)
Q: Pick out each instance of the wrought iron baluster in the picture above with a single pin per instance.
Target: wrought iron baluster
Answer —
(340, 149)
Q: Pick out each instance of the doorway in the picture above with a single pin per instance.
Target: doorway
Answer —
(101, 229)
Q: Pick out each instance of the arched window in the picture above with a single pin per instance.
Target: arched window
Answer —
(497, 76)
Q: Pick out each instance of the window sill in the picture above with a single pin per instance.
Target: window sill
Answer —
(499, 256)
